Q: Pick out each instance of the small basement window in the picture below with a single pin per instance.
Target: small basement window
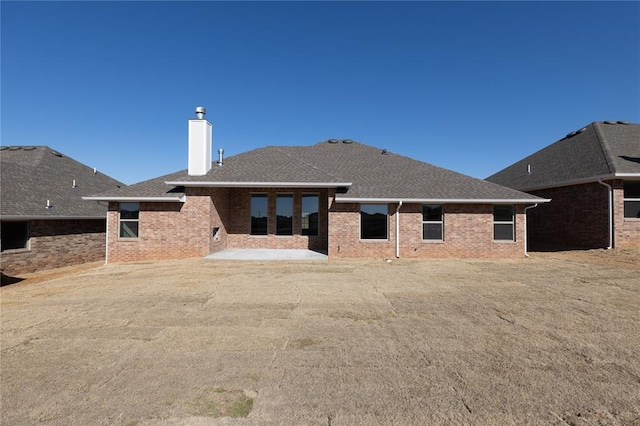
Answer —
(632, 200)
(503, 223)
(129, 219)
(14, 235)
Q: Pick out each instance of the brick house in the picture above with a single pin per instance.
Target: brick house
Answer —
(44, 222)
(340, 197)
(592, 177)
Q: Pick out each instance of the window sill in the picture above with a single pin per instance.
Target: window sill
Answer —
(504, 241)
(432, 241)
(258, 236)
(376, 240)
(16, 251)
(132, 240)
(631, 219)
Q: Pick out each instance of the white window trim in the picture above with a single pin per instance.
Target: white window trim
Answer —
(120, 220)
(624, 200)
(440, 222)
(512, 222)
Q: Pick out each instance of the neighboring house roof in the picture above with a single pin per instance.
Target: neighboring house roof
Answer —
(31, 175)
(601, 150)
(368, 174)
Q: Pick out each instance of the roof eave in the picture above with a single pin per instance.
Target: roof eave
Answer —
(591, 179)
(261, 184)
(16, 217)
(443, 200)
(138, 199)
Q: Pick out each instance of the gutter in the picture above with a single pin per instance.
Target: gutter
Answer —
(525, 228)
(441, 200)
(260, 184)
(140, 199)
(610, 196)
(398, 230)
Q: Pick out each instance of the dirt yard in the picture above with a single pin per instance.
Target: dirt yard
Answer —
(552, 339)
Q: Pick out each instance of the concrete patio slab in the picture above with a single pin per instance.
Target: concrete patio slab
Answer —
(267, 254)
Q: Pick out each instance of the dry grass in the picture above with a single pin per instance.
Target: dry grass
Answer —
(551, 339)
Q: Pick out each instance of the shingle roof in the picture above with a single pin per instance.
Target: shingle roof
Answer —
(370, 173)
(599, 150)
(31, 175)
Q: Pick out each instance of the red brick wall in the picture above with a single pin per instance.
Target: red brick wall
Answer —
(172, 230)
(627, 230)
(176, 230)
(576, 218)
(239, 223)
(56, 243)
(468, 232)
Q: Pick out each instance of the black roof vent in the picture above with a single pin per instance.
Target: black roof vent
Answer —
(56, 153)
(572, 134)
(15, 148)
(610, 122)
(3, 148)
(384, 152)
(333, 141)
(28, 148)
(622, 122)
(347, 141)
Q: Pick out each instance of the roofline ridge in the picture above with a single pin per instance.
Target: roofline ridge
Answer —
(604, 146)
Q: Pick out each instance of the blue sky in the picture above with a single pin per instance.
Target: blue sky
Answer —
(469, 86)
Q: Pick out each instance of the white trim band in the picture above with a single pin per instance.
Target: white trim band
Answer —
(440, 200)
(262, 184)
(139, 199)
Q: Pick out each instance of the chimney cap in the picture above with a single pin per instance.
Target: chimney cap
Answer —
(200, 112)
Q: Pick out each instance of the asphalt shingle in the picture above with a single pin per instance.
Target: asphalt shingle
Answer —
(600, 149)
(31, 175)
(374, 173)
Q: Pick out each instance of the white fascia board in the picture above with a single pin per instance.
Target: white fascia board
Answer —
(591, 179)
(19, 218)
(261, 184)
(440, 201)
(139, 199)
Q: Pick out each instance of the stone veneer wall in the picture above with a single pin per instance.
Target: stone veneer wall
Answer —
(56, 243)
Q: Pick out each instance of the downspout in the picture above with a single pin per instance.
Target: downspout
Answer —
(398, 229)
(106, 249)
(610, 212)
(525, 227)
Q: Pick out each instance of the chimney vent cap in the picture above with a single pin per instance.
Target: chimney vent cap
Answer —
(200, 112)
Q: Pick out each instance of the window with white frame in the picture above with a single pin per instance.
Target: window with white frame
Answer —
(14, 235)
(129, 218)
(284, 214)
(374, 221)
(309, 214)
(432, 222)
(259, 214)
(632, 200)
(503, 223)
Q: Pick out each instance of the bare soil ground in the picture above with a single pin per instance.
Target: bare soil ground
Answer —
(552, 339)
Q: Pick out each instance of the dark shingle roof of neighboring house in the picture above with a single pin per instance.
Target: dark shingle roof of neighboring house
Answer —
(601, 150)
(369, 173)
(31, 175)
